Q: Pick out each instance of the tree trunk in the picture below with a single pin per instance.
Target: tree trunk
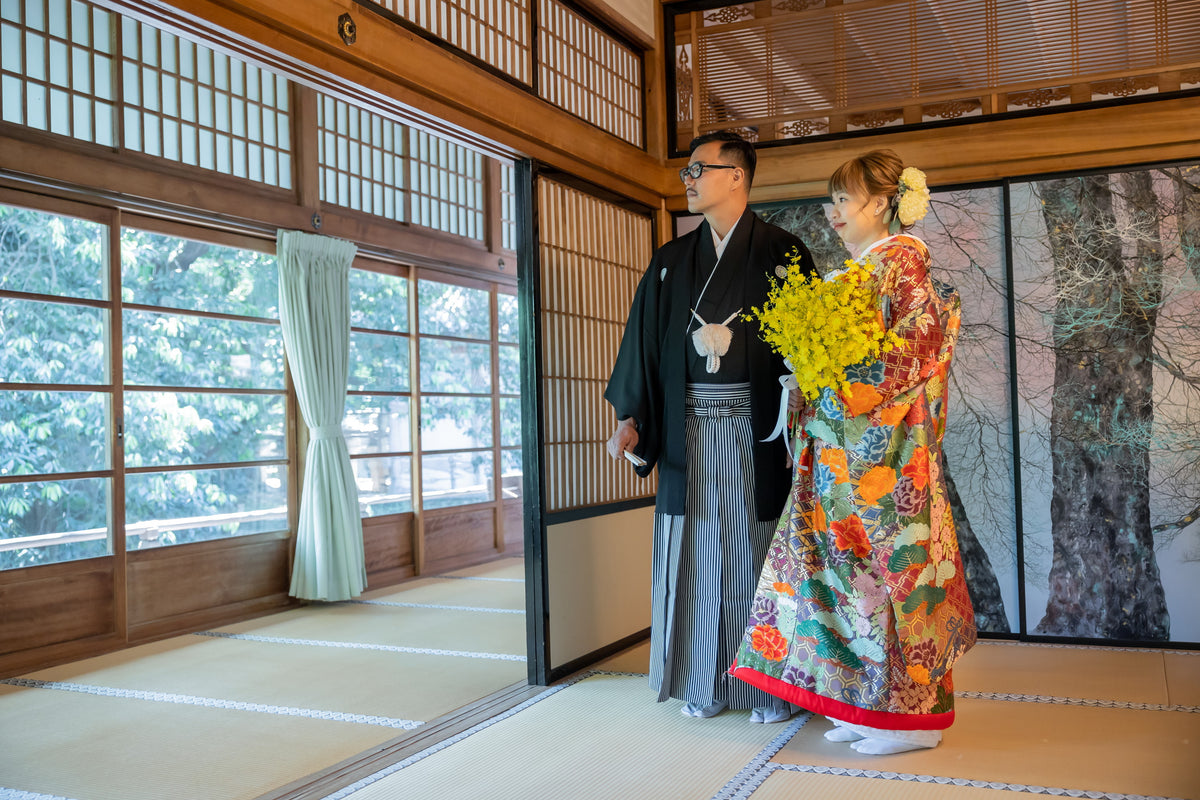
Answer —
(1187, 204)
(1104, 580)
(981, 580)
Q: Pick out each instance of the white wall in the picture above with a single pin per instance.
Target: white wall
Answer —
(599, 574)
(639, 13)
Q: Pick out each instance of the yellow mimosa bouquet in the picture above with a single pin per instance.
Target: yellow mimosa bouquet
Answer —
(821, 327)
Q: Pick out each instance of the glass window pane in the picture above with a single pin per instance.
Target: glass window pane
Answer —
(176, 429)
(448, 365)
(384, 485)
(377, 424)
(159, 270)
(455, 479)
(510, 370)
(52, 343)
(510, 474)
(506, 317)
(49, 432)
(456, 423)
(378, 361)
(510, 422)
(165, 508)
(444, 309)
(180, 350)
(378, 301)
(51, 254)
(44, 522)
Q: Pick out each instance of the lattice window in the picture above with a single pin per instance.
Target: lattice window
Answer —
(585, 71)
(187, 103)
(593, 254)
(781, 69)
(361, 158)
(56, 69)
(508, 207)
(497, 32)
(446, 185)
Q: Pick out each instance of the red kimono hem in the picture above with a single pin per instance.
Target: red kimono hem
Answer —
(843, 712)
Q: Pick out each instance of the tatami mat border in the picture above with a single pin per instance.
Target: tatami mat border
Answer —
(433, 605)
(1102, 647)
(1074, 701)
(17, 794)
(391, 648)
(757, 781)
(212, 702)
(374, 777)
(756, 764)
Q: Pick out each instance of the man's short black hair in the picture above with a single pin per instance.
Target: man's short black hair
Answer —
(734, 148)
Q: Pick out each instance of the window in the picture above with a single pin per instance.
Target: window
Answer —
(190, 104)
(56, 69)
(457, 432)
(56, 476)
(204, 409)
(167, 97)
(510, 396)
(378, 425)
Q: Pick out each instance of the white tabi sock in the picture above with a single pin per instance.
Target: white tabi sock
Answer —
(840, 734)
(704, 712)
(884, 747)
(778, 711)
(882, 742)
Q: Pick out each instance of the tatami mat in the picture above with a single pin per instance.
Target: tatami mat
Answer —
(782, 784)
(464, 631)
(505, 595)
(1133, 676)
(1183, 677)
(110, 748)
(1131, 751)
(599, 739)
(504, 569)
(398, 685)
(633, 659)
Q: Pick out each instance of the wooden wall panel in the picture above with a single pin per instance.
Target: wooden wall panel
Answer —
(202, 579)
(388, 549)
(59, 603)
(456, 539)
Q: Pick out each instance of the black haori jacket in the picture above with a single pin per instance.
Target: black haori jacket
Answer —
(650, 374)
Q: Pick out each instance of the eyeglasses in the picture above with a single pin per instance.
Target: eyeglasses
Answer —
(694, 171)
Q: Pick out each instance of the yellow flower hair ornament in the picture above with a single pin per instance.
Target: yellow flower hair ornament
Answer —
(912, 200)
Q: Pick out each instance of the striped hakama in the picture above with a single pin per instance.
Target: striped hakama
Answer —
(706, 563)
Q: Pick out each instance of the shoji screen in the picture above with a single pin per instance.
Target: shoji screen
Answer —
(596, 513)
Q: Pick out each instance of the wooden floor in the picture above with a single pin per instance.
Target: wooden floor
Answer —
(419, 691)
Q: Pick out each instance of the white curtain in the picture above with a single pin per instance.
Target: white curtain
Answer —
(314, 308)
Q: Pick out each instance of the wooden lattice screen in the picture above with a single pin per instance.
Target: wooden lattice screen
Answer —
(578, 66)
(498, 33)
(592, 255)
(785, 69)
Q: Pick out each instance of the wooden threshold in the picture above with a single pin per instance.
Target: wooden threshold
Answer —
(324, 783)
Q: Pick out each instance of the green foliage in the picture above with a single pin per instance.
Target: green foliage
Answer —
(829, 646)
(818, 592)
(48, 433)
(926, 593)
(909, 555)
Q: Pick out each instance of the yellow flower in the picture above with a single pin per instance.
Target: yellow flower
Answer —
(823, 326)
(914, 196)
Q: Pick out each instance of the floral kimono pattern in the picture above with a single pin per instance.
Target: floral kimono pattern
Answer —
(862, 606)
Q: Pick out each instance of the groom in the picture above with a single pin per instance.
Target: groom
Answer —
(702, 421)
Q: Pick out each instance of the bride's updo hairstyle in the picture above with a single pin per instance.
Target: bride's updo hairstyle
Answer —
(871, 174)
